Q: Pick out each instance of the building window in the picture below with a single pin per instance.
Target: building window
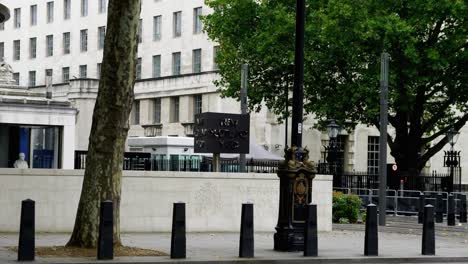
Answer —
(16, 77)
(101, 36)
(2, 26)
(102, 6)
(16, 50)
(135, 113)
(32, 48)
(177, 24)
(197, 23)
(66, 9)
(176, 63)
(48, 76)
(196, 60)
(84, 8)
(33, 17)
(17, 18)
(66, 43)
(65, 74)
(140, 31)
(215, 57)
(50, 12)
(2, 50)
(49, 45)
(138, 69)
(174, 114)
(32, 79)
(83, 71)
(373, 155)
(84, 40)
(157, 111)
(156, 66)
(197, 104)
(98, 69)
(157, 24)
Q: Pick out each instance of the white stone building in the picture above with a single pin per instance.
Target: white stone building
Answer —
(64, 39)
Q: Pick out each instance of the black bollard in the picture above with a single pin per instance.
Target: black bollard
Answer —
(371, 241)
(439, 208)
(178, 239)
(26, 243)
(422, 203)
(246, 245)
(310, 236)
(463, 216)
(428, 237)
(105, 250)
(451, 210)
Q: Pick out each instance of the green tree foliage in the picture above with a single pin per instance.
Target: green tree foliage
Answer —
(345, 208)
(426, 39)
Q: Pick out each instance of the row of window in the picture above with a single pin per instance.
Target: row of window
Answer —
(156, 67)
(101, 37)
(174, 109)
(49, 41)
(50, 7)
(157, 20)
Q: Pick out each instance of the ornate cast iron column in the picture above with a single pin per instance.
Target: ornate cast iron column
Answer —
(296, 174)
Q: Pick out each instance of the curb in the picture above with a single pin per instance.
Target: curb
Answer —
(303, 260)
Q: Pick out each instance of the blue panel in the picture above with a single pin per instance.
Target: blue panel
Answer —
(24, 142)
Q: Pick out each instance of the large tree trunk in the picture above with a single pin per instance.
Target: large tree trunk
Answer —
(103, 174)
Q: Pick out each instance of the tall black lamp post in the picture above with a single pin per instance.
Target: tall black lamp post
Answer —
(296, 172)
(452, 157)
(332, 153)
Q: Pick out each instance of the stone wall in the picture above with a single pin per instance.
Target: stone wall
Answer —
(213, 199)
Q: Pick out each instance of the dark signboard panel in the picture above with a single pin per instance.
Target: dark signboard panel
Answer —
(221, 133)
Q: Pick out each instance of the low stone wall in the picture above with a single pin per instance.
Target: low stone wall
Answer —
(213, 199)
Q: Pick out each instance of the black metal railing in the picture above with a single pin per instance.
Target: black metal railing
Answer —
(144, 161)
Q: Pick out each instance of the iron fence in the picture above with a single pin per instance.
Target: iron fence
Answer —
(133, 161)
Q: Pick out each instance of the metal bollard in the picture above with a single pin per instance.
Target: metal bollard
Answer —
(451, 210)
(463, 214)
(178, 239)
(428, 237)
(371, 240)
(105, 250)
(246, 244)
(310, 236)
(26, 245)
(422, 203)
(439, 216)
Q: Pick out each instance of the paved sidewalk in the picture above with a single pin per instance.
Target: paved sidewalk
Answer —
(334, 247)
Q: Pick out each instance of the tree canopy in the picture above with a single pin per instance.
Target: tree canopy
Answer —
(426, 40)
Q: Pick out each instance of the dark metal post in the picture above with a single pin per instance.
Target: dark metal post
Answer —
(244, 83)
(451, 210)
(428, 237)
(26, 243)
(246, 245)
(422, 204)
(105, 248)
(439, 208)
(310, 237)
(463, 216)
(298, 92)
(286, 92)
(371, 241)
(178, 238)
(383, 138)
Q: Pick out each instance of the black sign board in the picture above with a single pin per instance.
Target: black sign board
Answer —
(221, 133)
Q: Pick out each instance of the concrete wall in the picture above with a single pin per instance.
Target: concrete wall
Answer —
(213, 199)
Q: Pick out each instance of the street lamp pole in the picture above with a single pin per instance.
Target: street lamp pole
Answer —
(383, 138)
(298, 92)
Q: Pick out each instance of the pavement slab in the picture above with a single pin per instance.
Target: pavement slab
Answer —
(340, 246)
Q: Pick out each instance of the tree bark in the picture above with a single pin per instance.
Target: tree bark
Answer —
(103, 174)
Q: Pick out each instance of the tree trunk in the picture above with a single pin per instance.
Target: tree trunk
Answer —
(103, 174)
